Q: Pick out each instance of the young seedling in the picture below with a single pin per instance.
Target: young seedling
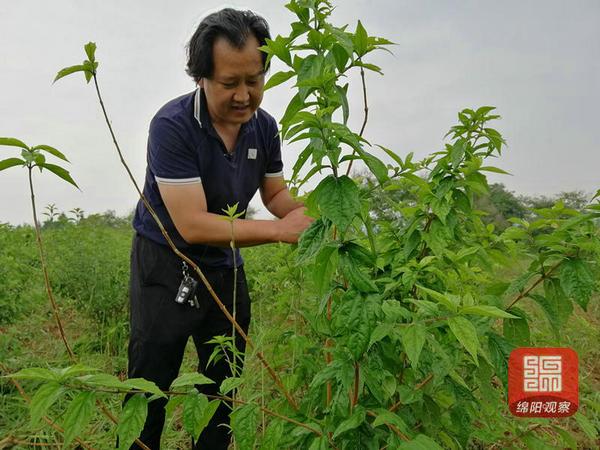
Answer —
(32, 157)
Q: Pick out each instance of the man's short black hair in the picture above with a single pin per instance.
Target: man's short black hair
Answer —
(232, 24)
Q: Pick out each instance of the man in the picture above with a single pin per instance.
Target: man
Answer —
(206, 150)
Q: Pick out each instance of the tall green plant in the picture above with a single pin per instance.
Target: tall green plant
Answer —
(32, 157)
(408, 317)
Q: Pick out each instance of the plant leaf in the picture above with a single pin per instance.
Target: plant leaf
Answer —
(11, 162)
(190, 379)
(230, 384)
(43, 399)
(466, 334)
(68, 71)
(132, 420)
(354, 421)
(51, 150)
(413, 339)
(35, 373)
(244, 422)
(360, 39)
(60, 172)
(78, 416)
(312, 240)
(338, 200)
(144, 385)
(486, 310)
(103, 380)
(194, 407)
(12, 142)
(90, 51)
(278, 78)
(577, 281)
(516, 331)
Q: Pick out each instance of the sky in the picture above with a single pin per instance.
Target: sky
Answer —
(537, 61)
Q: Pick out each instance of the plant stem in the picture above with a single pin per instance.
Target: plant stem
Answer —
(534, 285)
(38, 235)
(366, 109)
(191, 263)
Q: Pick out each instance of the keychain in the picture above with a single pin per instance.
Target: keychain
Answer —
(187, 289)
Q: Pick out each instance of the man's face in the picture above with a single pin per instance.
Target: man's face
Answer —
(235, 90)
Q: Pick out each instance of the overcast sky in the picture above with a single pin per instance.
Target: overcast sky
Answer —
(538, 62)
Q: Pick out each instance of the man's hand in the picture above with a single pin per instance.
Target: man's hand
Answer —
(293, 224)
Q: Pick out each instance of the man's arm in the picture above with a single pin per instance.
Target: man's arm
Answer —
(187, 208)
(277, 198)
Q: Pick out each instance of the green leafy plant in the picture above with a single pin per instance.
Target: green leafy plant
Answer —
(32, 157)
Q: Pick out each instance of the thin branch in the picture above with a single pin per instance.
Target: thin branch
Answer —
(366, 109)
(192, 264)
(534, 285)
(38, 235)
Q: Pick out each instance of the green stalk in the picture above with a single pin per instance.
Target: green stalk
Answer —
(38, 235)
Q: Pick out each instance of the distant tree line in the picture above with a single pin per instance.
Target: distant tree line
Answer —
(497, 206)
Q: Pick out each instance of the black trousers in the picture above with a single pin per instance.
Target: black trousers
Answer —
(160, 329)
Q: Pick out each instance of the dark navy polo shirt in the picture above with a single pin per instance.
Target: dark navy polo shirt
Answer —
(184, 148)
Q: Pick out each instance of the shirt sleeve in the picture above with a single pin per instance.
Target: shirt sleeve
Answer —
(274, 163)
(170, 157)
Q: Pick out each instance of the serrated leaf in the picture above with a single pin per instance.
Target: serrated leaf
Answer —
(466, 334)
(445, 300)
(190, 379)
(68, 71)
(103, 380)
(194, 407)
(34, 373)
(354, 275)
(516, 331)
(132, 420)
(11, 162)
(144, 385)
(500, 350)
(354, 421)
(51, 150)
(74, 370)
(577, 281)
(338, 200)
(278, 78)
(244, 422)
(78, 416)
(325, 265)
(555, 304)
(377, 168)
(312, 240)
(413, 339)
(43, 399)
(60, 172)
(360, 39)
(12, 142)
(273, 435)
(486, 310)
